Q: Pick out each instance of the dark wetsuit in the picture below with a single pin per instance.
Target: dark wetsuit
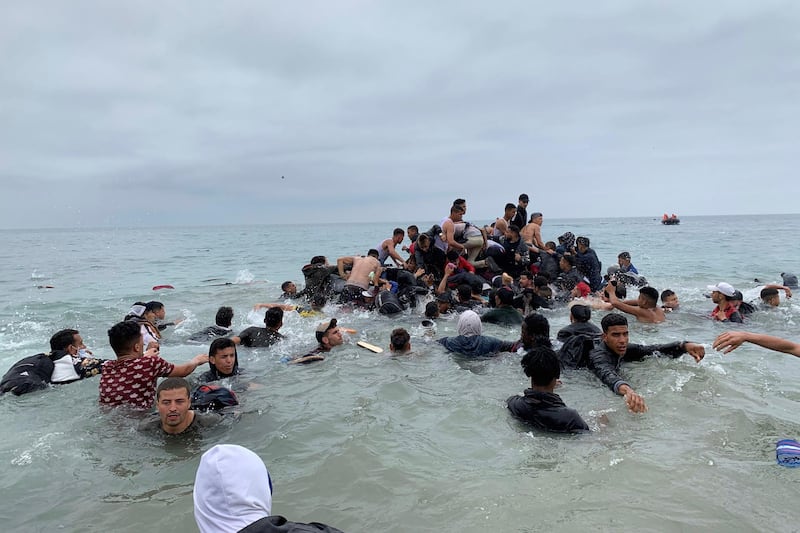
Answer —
(210, 333)
(255, 337)
(605, 363)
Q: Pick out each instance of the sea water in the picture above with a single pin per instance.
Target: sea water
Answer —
(369, 442)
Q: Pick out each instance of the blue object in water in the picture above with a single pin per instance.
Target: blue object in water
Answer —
(787, 453)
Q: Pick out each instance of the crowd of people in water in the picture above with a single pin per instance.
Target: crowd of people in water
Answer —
(502, 273)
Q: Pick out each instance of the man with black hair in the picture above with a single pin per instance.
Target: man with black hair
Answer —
(535, 331)
(174, 414)
(588, 264)
(221, 327)
(161, 315)
(289, 290)
(256, 337)
(646, 309)
(131, 378)
(223, 361)
(66, 362)
(579, 317)
(669, 300)
(541, 406)
(609, 354)
(387, 248)
(364, 271)
(317, 274)
(504, 312)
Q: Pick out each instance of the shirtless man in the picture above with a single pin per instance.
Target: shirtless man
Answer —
(532, 233)
(365, 270)
(454, 228)
(646, 309)
(387, 248)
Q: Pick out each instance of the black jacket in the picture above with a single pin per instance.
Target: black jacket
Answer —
(605, 363)
(278, 524)
(29, 374)
(546, 410)
(579, 328)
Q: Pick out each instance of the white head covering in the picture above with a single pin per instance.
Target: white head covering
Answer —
(231, 489)
(469, 324)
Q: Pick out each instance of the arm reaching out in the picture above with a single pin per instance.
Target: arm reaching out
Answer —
(730, 340)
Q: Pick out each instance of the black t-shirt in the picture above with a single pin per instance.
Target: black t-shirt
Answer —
(255, 337)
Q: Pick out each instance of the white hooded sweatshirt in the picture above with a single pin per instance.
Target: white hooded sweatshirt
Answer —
(232, 489)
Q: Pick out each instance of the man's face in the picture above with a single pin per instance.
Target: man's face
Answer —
(412, 233)
(773, 301)
(716, 297)
(511, 212)
(398, 238)
(538, 220)
(456, 216)
(333, 337)
(173, 406)
(523, 203)
(291, 288)
(161, 314)
(564, 265)
(77, 344)
(616, 338)
(224, 360)
(524, 282)
(672, 302)
(623, 262)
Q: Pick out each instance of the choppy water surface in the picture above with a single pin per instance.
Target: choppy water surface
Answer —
(372, 443)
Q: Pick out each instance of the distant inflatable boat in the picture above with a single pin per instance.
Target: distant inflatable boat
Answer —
(670, 220)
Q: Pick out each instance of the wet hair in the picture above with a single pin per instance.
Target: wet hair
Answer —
(452, 255)
(318, 260)
(621, 291)
(514, 228)
(273, 317)
(569, 259)
(398, 231)
(624, 255)
(285, 285)
(666, 293)
(542, 365)
(61, 339)
(540, 281)
(373, 253)
(153, 306)
(432, 310)
(550, 245)
(538, 328)
(505, 296)
(613, 319)
(510, 206)
(650, 294)
(581, 313)
(765, 293)
(123, 335)
(220, 344)
(464, 292)
(224, 316)
(399, 339)
(173, 384)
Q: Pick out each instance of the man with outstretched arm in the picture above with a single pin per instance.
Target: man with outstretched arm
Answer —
(730, 340)
(606, 357)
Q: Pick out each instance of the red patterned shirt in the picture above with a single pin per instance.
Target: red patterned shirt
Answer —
(132, 381)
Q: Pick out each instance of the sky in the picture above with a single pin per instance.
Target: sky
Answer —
(206, 113)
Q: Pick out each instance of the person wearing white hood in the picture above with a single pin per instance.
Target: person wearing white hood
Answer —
(233, 493)
(471, 342)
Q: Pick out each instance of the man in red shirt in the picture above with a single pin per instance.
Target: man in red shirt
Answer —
(725, 311)
(131, 378)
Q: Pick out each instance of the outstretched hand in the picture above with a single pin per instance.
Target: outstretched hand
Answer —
(729, 341)
(698, 351)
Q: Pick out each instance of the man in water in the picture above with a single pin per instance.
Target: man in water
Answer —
(669, 300)
(175, 415)
(504, 313)
(221, 328)
(289, 290)
(770, 297)
(541, 406)
(131, 378)
(624, 262)
(317, 274)
(588, 264)
(256, 337)
(329, 335)
(726, 310)
(730, 340)
(470, 340)
(606, 358)
(399, 341)
(67, 361)
(646, 309)
(161, 315)
(364, 271)
(223, 362)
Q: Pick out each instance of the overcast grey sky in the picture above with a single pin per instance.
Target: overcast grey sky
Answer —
(159, 113)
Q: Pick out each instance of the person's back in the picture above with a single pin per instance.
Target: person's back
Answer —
(470, 340)
(540, 406)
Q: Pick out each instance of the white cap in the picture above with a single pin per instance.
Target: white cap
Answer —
(725, 288)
